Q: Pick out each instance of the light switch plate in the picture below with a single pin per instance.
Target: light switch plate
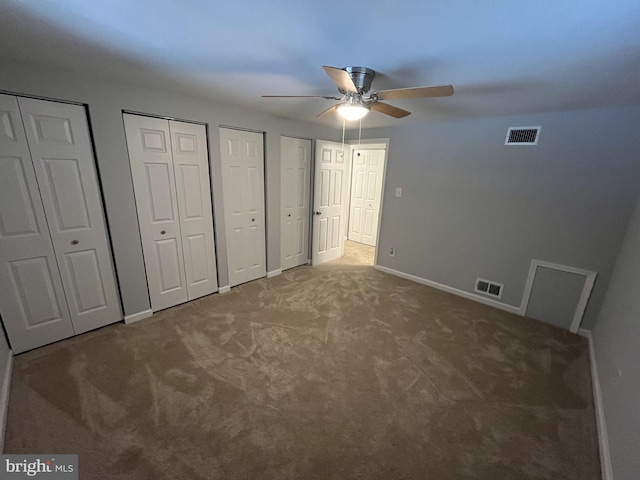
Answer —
(399, 192)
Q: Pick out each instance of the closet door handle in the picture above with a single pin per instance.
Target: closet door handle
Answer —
(163, 232)
(75, 242)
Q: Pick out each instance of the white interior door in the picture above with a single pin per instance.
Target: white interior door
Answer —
(191, 167)
(32, 300)
(295, 157)
(366, 193)
(150, 154)
(58, 137)
(329, 202)
(242, 155)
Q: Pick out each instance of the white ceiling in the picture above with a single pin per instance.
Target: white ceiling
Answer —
(502, 57)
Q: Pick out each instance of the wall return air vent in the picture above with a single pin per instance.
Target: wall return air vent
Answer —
(522, 136)
(488, 287)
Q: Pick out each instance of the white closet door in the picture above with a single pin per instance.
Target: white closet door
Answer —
(149, 144)
(32, 300)
(295, 155)
(62, 153)
(242, 155)
(191, 166)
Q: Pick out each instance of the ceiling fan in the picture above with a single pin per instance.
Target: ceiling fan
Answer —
(354, 84)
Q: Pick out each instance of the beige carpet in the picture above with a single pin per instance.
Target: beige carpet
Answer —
(335, 372)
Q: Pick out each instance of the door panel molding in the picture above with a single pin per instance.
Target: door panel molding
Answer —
(242, 158)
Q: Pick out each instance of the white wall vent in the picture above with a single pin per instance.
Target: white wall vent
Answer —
(522, 136)
(489, 287)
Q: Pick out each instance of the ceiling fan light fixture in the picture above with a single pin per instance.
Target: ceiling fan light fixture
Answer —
(352, 112)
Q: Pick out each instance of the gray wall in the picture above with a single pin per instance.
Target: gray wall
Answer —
(616, 338)
(473, 207)
(106, 100)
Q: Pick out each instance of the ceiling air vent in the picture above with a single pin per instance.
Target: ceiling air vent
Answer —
(522, 136)
(489, 287)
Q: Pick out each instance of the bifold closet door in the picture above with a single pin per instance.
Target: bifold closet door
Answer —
(55, 265)
(193, 189)
(32, 299)
(242, 155)
(62, 153)
(169, 165)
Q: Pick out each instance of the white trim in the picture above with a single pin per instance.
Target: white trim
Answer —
(603, 436)
(225, 289)
(455, 291)
(590, 278)
(136, 317)
(4, 399)
(274, 273)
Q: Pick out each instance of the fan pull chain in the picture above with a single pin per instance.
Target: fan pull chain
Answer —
(344, 122)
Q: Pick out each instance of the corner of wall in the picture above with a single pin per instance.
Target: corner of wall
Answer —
(4, 397)
(603, 437)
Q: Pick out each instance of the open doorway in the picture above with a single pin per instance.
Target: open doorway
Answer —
(365, 199)
(348, 187)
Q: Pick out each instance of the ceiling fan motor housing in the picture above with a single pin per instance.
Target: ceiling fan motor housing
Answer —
(361, 77)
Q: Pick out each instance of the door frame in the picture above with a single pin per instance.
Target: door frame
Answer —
(369, 144)
(589, 280)
(350, 147)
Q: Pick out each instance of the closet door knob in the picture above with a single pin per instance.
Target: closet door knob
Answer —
(163, 232)
(253, 219)
(74, 242)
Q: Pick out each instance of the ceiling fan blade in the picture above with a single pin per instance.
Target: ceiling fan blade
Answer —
(416, 92)
(328, 110)
(341, 78)
(302, 96)
(389, 110)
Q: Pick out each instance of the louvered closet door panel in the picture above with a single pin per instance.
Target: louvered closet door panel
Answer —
(60, 145)
(149, 144)
(32, 299)
(191, 167)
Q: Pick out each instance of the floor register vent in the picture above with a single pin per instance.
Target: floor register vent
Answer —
(522, 136)
(488, 287)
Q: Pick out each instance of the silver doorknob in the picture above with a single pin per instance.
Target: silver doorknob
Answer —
(75, 242)
(163, 232)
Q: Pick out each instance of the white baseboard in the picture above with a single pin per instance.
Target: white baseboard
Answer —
(274, 273)
(4, 399)
(136, 317)
(603, 436)
(455, 291)
(225, 289)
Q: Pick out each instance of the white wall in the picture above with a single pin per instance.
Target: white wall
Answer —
(473, 207)
(616, 338)
(106, 101)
